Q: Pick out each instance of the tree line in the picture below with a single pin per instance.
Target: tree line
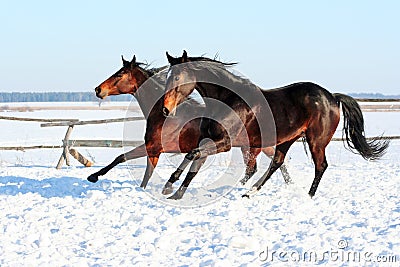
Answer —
(56, 97)
(91, 97)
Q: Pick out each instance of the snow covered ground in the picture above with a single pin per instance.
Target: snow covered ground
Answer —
(55, 217)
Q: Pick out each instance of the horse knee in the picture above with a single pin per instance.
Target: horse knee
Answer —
(324, 165)
(175, 176)
(195, 154)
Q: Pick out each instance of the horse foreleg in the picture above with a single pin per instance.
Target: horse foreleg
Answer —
(194, 169)
(193, 155)
(138, 152)
(151, 164)
(199, 155)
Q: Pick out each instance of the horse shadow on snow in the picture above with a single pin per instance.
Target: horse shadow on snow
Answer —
(57, 187)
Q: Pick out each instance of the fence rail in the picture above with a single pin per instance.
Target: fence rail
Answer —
(377, 99)
(23, 148)
(36, 120)
(79, 143)
(103, 143)
(69, 123)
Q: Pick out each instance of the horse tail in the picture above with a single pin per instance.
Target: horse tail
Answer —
(353, 130)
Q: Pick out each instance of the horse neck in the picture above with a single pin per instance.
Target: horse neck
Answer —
(155, 115)
(214, 91)
(225, 87)
(148, 95)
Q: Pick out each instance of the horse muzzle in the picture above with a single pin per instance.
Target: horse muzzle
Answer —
(99, 93)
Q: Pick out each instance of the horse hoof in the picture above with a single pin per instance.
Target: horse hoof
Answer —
(178, 194)
(93, 178)
(311, 193)
(143, 184)
(168, 189)
(251, 192)
(175, 197)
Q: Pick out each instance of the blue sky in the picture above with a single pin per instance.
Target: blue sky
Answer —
(345, 46)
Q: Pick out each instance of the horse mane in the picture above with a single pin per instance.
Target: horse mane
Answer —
(221, 71)
(150, 71)
(153, 71)
(206, 59)
(161, 79)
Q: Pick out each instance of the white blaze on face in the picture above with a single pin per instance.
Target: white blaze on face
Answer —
(169, 73)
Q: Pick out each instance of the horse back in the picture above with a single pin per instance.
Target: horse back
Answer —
(296, 106)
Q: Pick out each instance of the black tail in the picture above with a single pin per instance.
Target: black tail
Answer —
(353, 130)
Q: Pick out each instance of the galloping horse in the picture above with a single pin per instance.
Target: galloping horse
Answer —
(298, 109)
(177, 135)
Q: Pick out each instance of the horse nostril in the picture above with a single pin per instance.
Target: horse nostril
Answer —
(165, 111)
(97, 90)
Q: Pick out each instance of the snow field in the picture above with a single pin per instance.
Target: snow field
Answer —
(56, 218)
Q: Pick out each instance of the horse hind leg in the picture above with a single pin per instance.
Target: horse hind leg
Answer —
(318, 136)
(319, 158)
(269, 152)
(317, 142)
(250, 160)
(276, 162)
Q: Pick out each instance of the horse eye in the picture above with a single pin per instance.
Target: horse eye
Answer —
(177, 78)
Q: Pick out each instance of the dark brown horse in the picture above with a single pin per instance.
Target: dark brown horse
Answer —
(293, 111)
(176, 135)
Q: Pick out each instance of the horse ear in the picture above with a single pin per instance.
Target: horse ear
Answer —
(132, 64)
(184, 56)
(124, 62)
(170, 59)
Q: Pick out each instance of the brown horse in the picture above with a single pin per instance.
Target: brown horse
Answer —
(176, 135)
(292, 111)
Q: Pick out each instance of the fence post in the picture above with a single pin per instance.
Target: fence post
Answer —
(78, 156)
(65, 154)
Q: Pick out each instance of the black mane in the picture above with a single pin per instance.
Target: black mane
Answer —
(221, 70)
(226, 64)
(154, 71)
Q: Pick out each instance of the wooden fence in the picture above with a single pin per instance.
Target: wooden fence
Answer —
(68, 144)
